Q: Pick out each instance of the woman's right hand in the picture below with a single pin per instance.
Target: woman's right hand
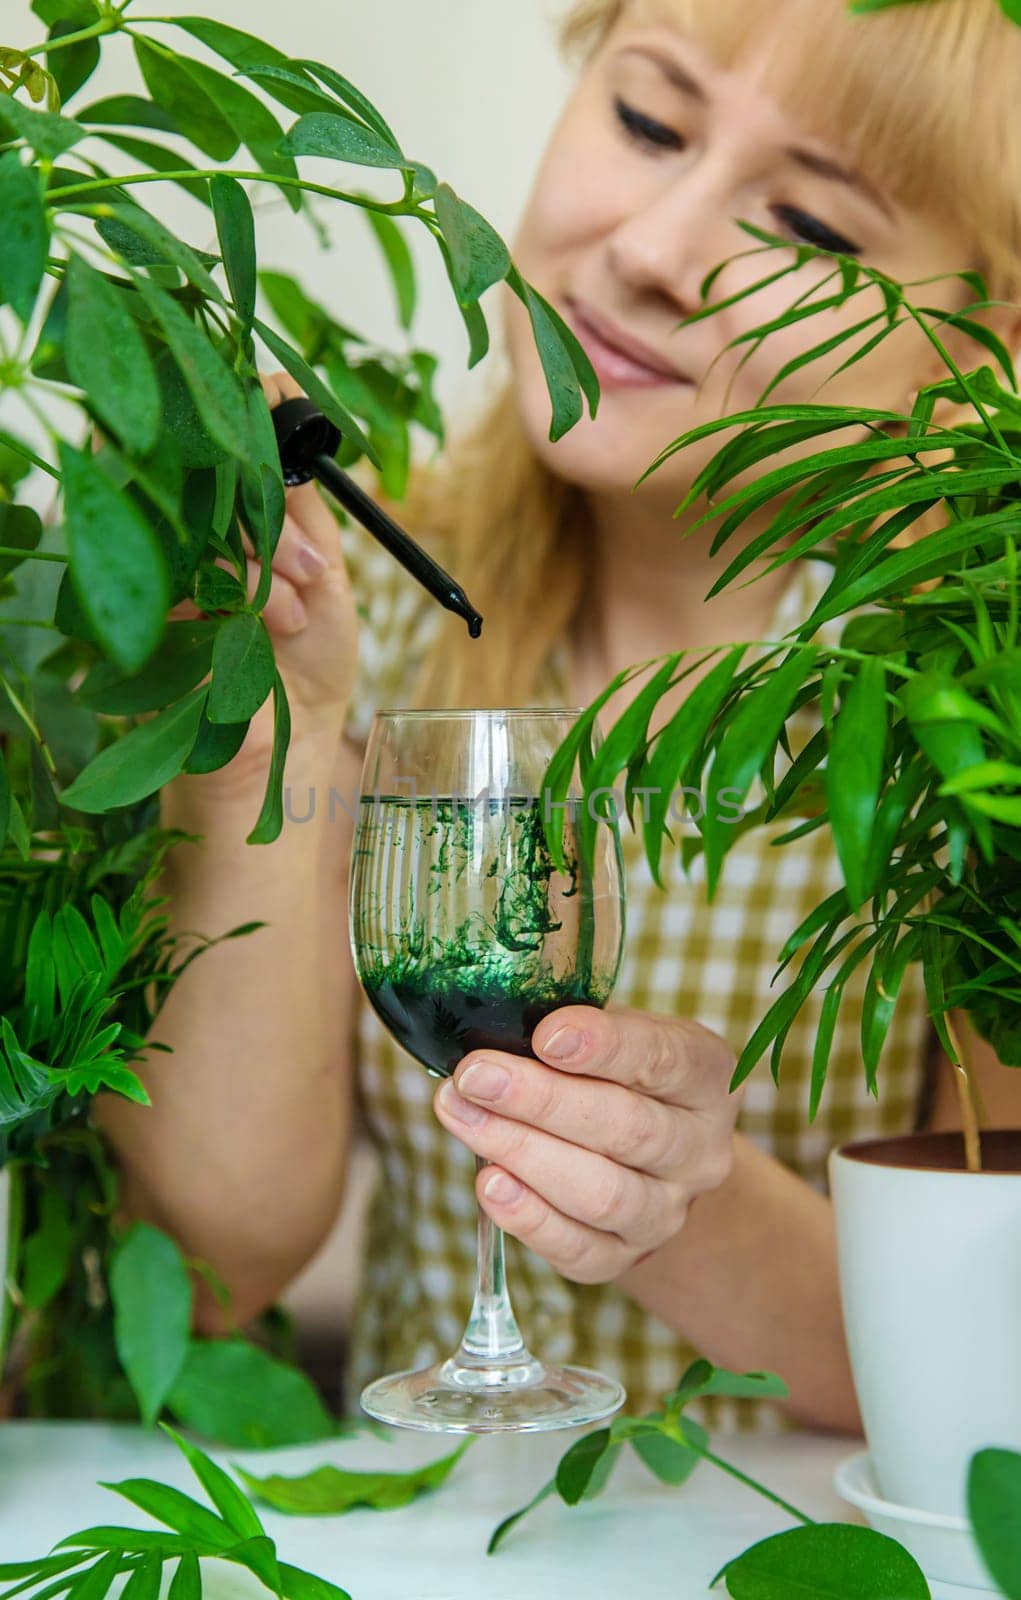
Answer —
(312, 618)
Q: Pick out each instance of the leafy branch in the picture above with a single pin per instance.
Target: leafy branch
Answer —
(842, 1561)
(86, 1564)
(158, 342)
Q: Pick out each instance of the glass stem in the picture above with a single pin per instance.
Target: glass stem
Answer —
(492, 1337)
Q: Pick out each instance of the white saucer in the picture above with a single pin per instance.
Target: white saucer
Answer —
(943, 1546)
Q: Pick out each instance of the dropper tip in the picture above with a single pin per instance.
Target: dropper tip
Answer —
(474, 625)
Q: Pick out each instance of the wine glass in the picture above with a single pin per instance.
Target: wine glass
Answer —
(466, 932)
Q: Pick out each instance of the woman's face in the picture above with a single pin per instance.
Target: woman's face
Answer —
(658, 154)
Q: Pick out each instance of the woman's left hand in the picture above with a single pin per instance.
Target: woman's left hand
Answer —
(599, 1147)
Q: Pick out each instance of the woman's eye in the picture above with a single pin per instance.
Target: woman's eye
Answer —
(646, 130)
(815, 232)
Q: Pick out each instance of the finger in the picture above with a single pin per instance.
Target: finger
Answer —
(630, 1128)
(672, 1058)
(581, 1254)
(284, 611)
(585, 1186)
(295, 557)
(278, 387)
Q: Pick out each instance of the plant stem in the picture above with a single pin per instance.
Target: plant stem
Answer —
(104, 25)
(396, 208)
(749, 1483)
(20, 449)
(966, 1090)
(30, 555)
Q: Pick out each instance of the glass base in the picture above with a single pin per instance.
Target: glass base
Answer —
(467, 1397)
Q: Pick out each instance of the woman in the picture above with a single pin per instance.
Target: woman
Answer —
(659, 1214)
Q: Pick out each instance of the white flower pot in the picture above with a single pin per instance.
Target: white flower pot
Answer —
(930, 1274)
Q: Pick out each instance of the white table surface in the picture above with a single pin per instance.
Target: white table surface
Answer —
(640, 1539)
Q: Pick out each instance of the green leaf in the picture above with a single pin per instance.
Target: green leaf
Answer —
(183, 658)
(580, 1463)
(566, 367)
(994, 1506)
(215, 745)
(351, 97)
(145, 1582)
(399, 260)
(116, 564)
(152, 1298)
(218, 396)
(95, 1584)
(675, 747)
(144, 153)
(327, 1491)
(186, 1584)
(854, 774)
(24, 237)
(243, 669)
(702, 1378)
(670, 1460)
(237, 1394)
(195, 1522)
(129, 111)
(299, 1585)
(271, 817)
(47, 1568)
(141, 240)
(106, 356)
(478, 255)
(140, 762)
(5, 800)
(822, 1045)
(750, 736)
(72, 66)
(192, 108)
(235, 228)
(1012, 10)
(21, 527)
(322, 133)
(828, 1561)
(259, 1556)
(253, 124)
(48, 134)
(500, 1533)
(232, 1505)
(316, 390)
(46, 1256)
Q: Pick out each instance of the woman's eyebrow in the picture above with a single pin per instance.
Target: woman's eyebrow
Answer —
(671, 70)
(812, 160)
(827, 167)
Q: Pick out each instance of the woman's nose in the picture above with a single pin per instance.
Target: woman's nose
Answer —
(668, 245)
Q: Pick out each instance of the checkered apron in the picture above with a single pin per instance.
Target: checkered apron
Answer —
(682, 957)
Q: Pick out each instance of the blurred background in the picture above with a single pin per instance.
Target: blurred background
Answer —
(472, 88)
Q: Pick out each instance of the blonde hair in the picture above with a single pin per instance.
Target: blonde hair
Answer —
(921, 97)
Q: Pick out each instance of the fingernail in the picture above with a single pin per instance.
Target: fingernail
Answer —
(565, 1042)
(504, 1189)
(462, 1110)
(484, 1080)
(311, 560)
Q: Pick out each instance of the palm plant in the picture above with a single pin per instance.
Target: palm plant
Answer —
(916, 763)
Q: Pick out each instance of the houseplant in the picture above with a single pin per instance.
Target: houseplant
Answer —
(111, 322)
(915, 768)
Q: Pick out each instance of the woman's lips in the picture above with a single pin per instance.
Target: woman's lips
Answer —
(620, 362)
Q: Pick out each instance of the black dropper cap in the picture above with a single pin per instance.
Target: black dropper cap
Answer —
(308, 441)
